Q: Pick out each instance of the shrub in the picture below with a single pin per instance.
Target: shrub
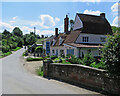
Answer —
(87, 59)
(65, 62)
(111, 53)
(25, 53)
(8, 53)
(5, 48)
(53, 57)
(34, 59)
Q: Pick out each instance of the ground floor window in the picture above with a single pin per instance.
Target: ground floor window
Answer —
(70, 51)
(53, 51)
(62, 53)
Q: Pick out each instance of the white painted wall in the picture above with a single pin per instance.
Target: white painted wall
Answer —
(94, 51)
(78, 23)
(93, 38)
(56, 48)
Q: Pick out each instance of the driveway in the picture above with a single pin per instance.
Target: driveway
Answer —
(16, 80)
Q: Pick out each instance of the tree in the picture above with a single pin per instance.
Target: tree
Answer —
(111, 53)
(17, 32)
(71, 24)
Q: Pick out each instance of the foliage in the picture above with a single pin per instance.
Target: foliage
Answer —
(87, 59)
(53, 57)
(39, 41)
(71, 24)
(39, 49)
(40, 71)
(34, 59)
(17, 32)
(73, 59)
(4, 54)
(100, 65)
(25, 53)
(65, 62)
(111, 53)
(16, 49)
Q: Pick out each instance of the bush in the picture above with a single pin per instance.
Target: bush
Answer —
(5, 48)
(87, 59)
(73, 59)
(53, 57)
(34, 59)
(8, 53)
(65, 62)
(25, 53)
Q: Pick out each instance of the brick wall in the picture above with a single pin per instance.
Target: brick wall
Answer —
(80, 74)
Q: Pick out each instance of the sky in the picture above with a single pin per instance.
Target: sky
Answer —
(46, 16)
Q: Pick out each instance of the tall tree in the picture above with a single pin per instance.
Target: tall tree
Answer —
(17, 32)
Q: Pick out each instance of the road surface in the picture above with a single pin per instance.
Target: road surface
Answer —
(16, 80)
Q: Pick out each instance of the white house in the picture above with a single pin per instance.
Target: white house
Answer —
(88, 35)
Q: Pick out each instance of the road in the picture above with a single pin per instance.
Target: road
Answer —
(16, 80)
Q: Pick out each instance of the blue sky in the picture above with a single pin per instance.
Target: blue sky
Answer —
(46, 16)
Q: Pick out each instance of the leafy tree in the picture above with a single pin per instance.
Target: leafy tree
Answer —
(111, 53)
(71, 24)
(17, 32)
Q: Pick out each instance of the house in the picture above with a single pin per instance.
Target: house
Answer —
(88, 35)
(46, 44)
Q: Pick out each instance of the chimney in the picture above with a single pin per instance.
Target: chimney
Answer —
(56, 32)
(34, 30)
(102, 15)
(66, 23)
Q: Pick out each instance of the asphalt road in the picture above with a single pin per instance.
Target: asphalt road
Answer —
(16, 80)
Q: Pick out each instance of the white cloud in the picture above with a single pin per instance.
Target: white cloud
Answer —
(15, 17)
(116, 21)
(47, 32)
(92, 12)
(46, 21)
(12, 21)
(114, 8)
(57, 19)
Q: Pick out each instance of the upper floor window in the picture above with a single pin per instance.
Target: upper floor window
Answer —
(102, 39)
(85, 39)
(54, 42)
(60, 41)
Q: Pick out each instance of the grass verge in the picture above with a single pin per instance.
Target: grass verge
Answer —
(17, 48)
(34, 59)
(5, 54)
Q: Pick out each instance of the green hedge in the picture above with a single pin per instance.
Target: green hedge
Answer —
(34, 59)
(16, 49)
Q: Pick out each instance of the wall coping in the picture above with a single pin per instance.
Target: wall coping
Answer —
(84, 66)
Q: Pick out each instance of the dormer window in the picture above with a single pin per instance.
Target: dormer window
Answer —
(60, 41)
(85, 39)
(54, 42)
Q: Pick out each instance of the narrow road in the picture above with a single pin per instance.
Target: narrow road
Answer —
(16, 80)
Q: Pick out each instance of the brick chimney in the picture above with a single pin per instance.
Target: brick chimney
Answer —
(66, 23)
(102, 15)
(56, 32)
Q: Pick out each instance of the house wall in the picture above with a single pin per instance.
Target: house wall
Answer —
(93, 38)
(56, 48)
(94, 51)
(76, 51)
(78, 23)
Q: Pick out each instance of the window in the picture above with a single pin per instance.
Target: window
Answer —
(85, 39)
(54, 42)
(102, 39)
(60, 41)
(53, 51)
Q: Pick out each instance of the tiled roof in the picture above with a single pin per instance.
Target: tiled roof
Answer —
(95, 24)
(67, 38)
(84, 45)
